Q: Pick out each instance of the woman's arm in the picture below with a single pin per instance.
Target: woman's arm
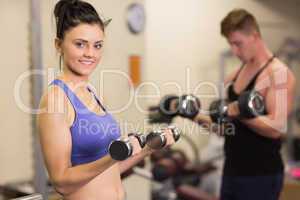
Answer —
(55, 138)
(134, 160)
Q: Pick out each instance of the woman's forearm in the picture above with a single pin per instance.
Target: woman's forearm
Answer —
(133, 160)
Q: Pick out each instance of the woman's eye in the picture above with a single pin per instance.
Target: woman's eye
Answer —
(79, 44)
(98, 46)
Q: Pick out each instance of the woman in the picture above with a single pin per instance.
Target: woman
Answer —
(76, 129)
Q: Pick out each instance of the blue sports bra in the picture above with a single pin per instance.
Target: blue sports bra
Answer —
(91, 133)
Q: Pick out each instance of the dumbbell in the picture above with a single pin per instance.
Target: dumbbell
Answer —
(157, 138)
(170, 106)
(218, 111)
(186, 106)
(121, 149)
(250, 103)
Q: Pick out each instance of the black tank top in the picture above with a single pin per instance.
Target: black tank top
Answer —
(246, 152)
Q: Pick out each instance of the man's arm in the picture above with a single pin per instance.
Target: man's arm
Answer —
(279, 104)
(204, 119)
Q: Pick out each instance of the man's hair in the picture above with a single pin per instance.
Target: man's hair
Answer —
(239, 20)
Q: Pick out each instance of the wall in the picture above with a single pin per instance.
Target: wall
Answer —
(15, 137)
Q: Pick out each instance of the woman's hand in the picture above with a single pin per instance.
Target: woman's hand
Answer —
(135, 145)
(169, 136)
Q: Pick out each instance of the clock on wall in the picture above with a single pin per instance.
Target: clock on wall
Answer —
(136, 18)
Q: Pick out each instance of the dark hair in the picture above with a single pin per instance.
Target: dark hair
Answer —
(70, 13)
(239, 20)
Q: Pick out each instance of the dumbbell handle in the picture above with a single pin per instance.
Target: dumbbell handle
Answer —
(157, 139)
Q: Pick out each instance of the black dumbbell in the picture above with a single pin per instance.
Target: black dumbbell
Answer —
(165, 105)
(186, 105)
(162, 113)
(157, 139)
(218, 111)
(122, 149)
(250, 103)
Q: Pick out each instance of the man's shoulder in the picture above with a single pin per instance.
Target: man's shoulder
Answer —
(274, 67)
(277, 74)
(279, 65)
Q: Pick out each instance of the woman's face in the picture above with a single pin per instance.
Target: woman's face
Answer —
(81, 49)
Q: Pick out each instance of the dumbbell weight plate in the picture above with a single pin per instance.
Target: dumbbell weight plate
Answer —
(165, 105)
(120, 149)
(176, 132)
(251, 104)
(257, 103)
(189, 105)
(218, 111)
(156, 139)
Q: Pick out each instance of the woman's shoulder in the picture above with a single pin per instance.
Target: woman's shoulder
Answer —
(54, 99)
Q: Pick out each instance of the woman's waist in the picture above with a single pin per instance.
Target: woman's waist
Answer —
(106, 185)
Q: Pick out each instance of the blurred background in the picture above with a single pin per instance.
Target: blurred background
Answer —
(157, 48)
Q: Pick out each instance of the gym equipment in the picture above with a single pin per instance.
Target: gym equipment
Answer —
(165, 105)
(31, 197)
(250, 103)
(172, 172)
(176, 165)
(187, 192)
(169, 165)
(188, 106)
(182, 185)
(157, 139)
(170, 106)
(218, 111)
(156, 117)
(162, 113)
(121, 149)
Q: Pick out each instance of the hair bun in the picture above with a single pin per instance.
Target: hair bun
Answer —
(70, 13)
(61, 6)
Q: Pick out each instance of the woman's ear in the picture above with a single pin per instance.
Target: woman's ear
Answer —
(58, 44)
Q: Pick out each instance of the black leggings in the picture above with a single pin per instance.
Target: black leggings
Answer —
(251, 187)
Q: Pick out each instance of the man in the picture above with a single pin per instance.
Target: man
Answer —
(253, 168)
